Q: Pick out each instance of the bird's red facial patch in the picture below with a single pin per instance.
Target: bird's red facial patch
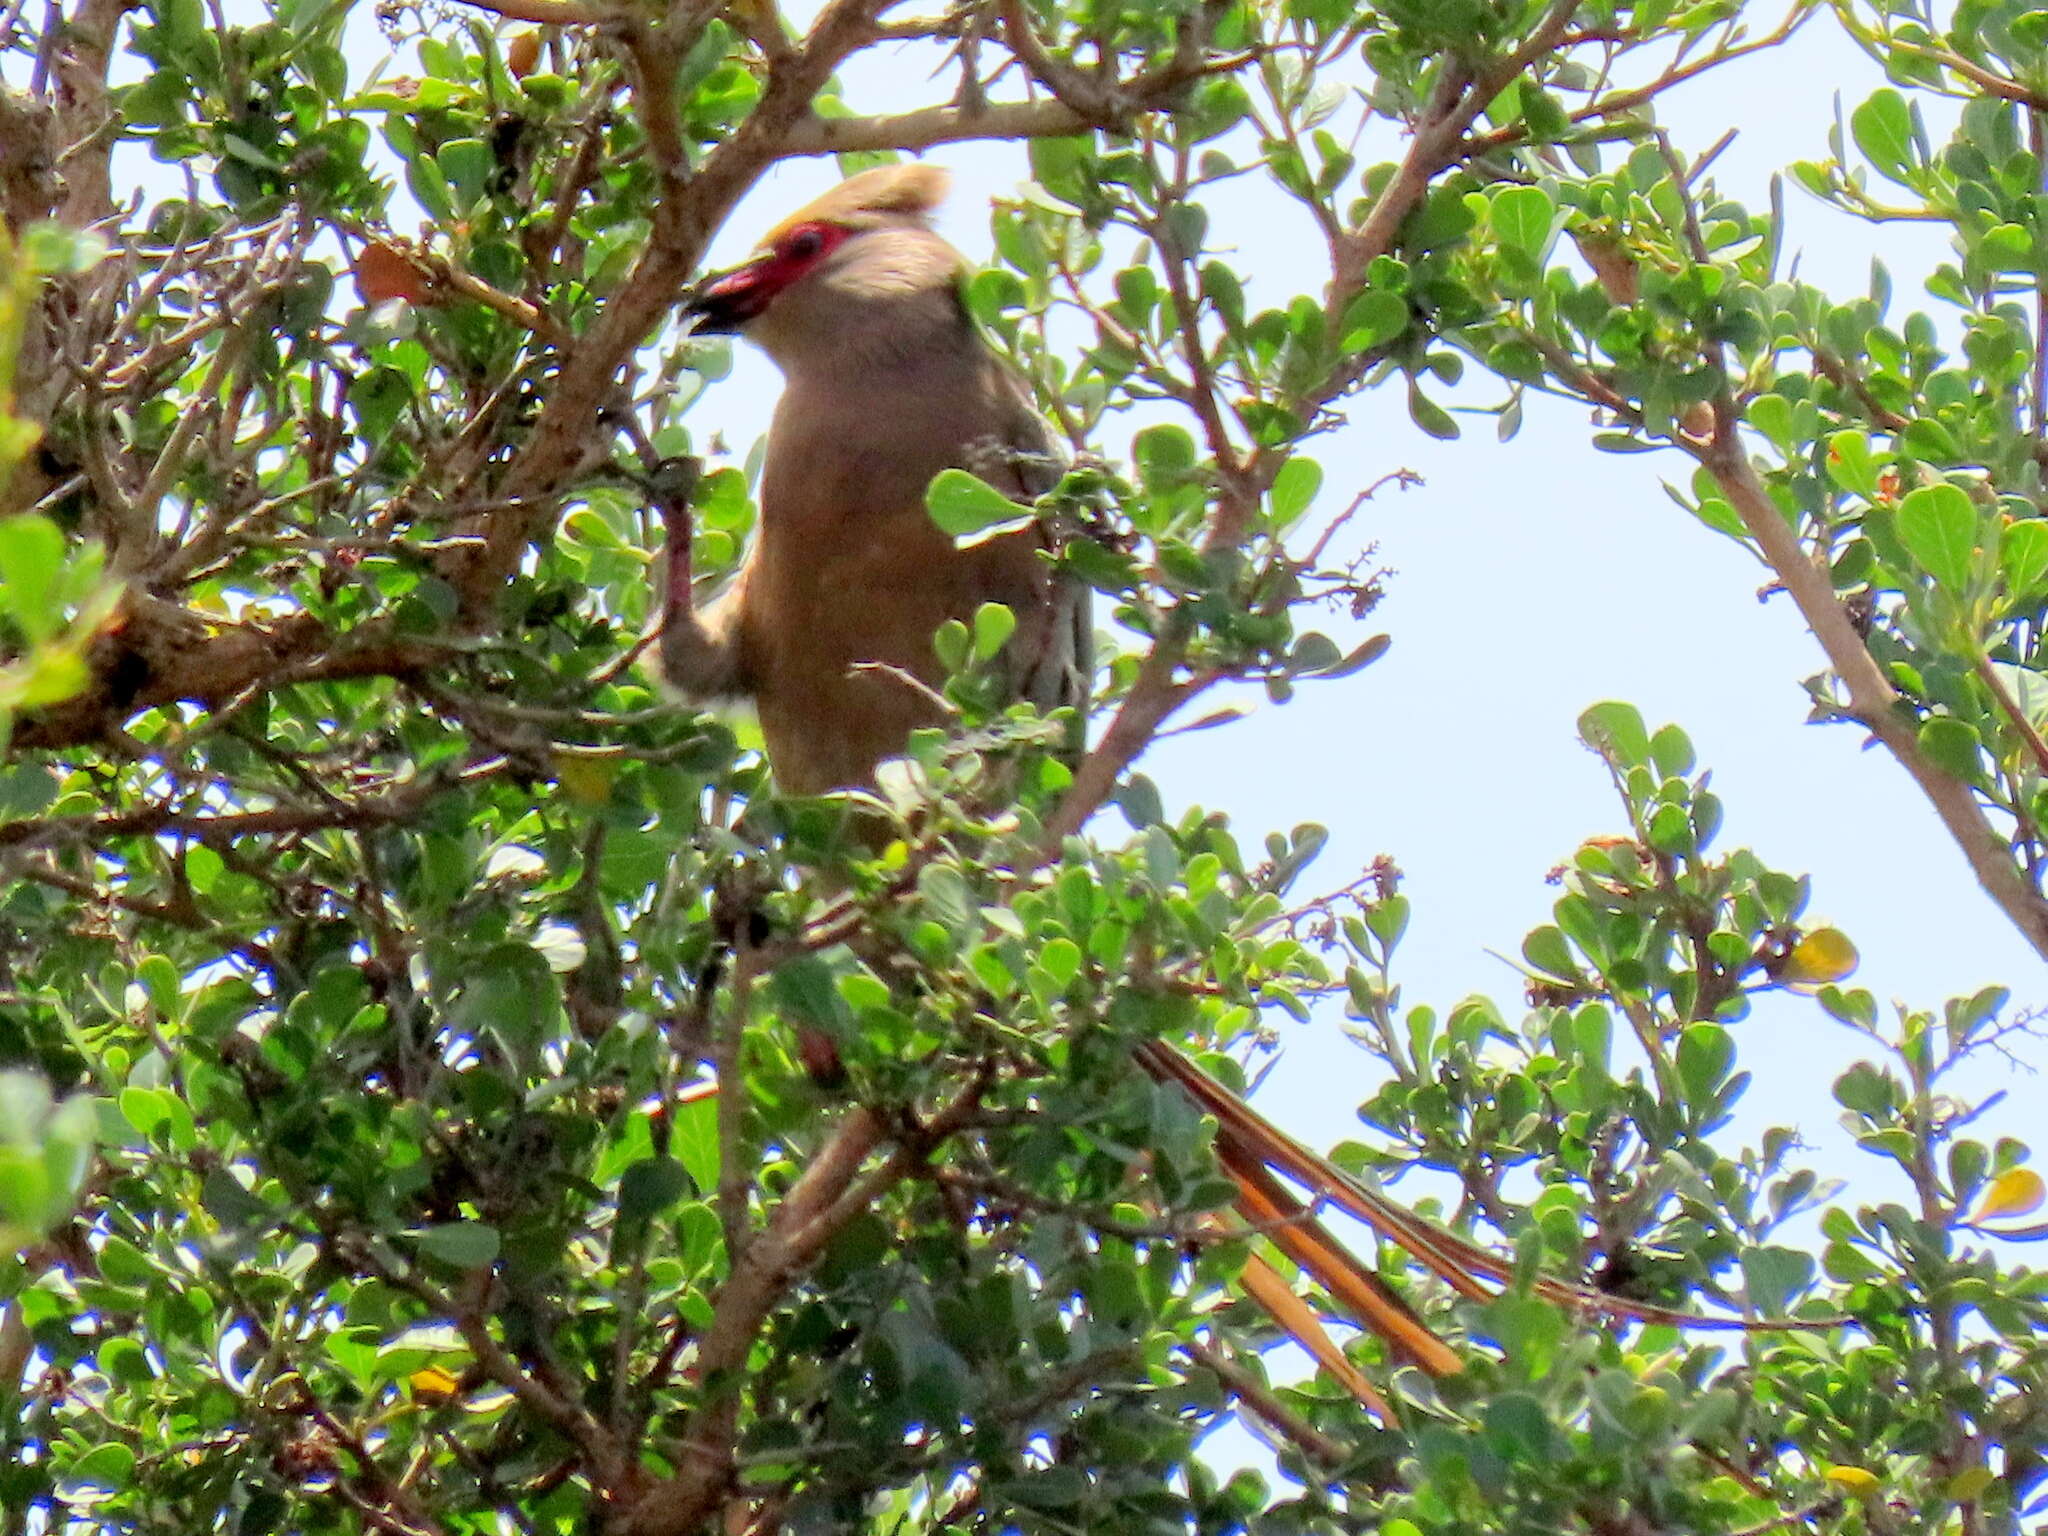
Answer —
(805, 245)
(729, 302)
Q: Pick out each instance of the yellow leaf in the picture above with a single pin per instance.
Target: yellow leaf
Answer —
(1853, 1480)
(1969, 1483)
(586, 780)
(2015, 1192)
(431, 1384)
(522, 54)
(1822, 956)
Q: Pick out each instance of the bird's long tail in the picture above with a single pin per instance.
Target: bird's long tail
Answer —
(1256, 1155)
(1263, 1162)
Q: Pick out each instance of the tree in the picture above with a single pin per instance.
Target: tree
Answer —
(367, 916)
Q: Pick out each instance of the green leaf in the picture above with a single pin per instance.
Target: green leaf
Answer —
(648, 1188)
(1954, 747)
(1529, 1329)
(1430, 416)
(1850, 464)
(2023, 554)
(2005, 248)
(1705, 1053)
(1671, 830)
(430, 188)
(993, 626)
(963, 505)
(1055, 1487)
(1313, 652)
(1772, 416)
(1388, 921)
(693, 1138)
(1518, 1427)
(1220, 286)
(27, 789)
(1165, 455)
(1623, 442)
(31, 563)
(1615, 730)
(1671, 751)
(1938, 526)
(1774, 1276)
(224, 1198)
(1868, 1090)
(468, 165)
(107, 1465)
(1546, 951)
(1294, 490)
(1061, 961)
(1358, 658)
(1444, 218)
(805, 989)
(51, 249)
(1522, 218)
(461, 1244)
(1373, 318)
(203, 867)
(1883, 129)
(1138, 798)
(144, 1108)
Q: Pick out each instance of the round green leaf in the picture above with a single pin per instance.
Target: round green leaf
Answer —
(1938, 526)
(961, 504)
(1883, 129)
(462, 1244)
(1615, 730)
(1374, 317)
(1521, 217)
(1954, 747)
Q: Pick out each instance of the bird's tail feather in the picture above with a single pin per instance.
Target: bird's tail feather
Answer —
(1252, 1150)
(1263, 1283)
(1255, 1155)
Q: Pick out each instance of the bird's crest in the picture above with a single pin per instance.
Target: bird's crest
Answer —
(888, 194)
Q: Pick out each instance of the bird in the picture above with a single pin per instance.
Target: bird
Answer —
(827, 627)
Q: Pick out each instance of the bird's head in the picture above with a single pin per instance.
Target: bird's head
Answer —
(861, 258)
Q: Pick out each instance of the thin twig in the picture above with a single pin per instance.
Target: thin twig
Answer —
(1265, 1405)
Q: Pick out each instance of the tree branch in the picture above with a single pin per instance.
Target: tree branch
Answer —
(1872, 699)
(930, 126)
(831, 1193)
(546, 13)
(158, 653)
(394, 806)
(759, 1278)
(1266, 1405)
(690, 209)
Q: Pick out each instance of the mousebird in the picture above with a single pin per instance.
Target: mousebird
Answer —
(828, 626)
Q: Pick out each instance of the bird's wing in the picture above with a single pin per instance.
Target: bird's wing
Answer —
(1059, 671)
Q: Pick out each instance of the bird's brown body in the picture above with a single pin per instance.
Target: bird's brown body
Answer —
(828, 627)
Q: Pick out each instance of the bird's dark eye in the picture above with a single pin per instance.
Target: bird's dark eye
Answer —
(805, 244)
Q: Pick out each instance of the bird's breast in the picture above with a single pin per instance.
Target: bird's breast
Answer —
(849, 578)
